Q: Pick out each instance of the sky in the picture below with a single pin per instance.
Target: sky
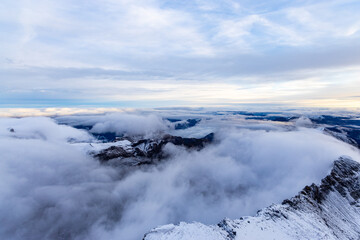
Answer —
(158, 53)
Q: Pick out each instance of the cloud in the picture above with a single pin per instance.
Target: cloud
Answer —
(40, 128)
(303, 122)
(32, 112)
(51, 189)
(132, 33)
(64, 53)
(129, 124)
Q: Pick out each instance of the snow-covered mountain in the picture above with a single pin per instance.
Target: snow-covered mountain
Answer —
(328, 211)
(146, 150)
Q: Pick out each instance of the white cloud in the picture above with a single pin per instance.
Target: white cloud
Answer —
(51, 188)
(130, 124)
(240, 33)
(40, 128)
(68, 50)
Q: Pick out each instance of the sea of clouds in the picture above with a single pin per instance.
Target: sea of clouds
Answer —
(51, 189)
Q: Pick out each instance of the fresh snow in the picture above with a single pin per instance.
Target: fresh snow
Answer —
(327, 212)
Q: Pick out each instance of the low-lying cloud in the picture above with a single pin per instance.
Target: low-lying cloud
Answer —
(130, 124)
(145, 125)
(51, 189)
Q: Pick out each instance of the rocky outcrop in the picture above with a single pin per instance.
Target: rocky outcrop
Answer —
(187, 123)
(346, 134)
(330, 210)
(151, 148)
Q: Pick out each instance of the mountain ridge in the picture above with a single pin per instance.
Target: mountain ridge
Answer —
(330, 210)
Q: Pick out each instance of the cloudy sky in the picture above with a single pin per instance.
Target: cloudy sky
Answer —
(153, 53)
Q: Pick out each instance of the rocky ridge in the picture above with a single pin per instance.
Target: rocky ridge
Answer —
(330, 210)
(150, 149)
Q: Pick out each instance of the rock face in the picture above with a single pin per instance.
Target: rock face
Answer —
(346, 134)
(151, 148)
(328, 211)
(187, 124)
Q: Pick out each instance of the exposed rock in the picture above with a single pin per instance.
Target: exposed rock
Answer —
(328, 211)
(152, 148)
(345, 134)
(187, 124)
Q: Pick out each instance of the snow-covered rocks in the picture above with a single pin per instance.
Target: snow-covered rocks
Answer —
(328, 211)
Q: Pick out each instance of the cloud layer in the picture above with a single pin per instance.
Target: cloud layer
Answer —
(164, 53)
(51, 189)
(131, 124)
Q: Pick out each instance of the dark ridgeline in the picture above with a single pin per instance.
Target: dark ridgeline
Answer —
(150, 149)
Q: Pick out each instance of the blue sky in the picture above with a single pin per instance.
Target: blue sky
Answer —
(156, 53)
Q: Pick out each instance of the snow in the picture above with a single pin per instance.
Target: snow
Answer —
(98, 146)
(184, 231)
(335, 216)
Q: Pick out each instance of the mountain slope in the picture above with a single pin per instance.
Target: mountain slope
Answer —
(328, 211)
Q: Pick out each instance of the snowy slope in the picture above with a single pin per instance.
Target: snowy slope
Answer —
(328, 211)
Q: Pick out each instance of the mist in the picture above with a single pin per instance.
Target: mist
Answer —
(120, 123)
(51, 189)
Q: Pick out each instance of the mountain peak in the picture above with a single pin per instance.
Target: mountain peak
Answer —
(330, 210)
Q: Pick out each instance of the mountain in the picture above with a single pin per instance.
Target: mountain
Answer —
(330, 210)
(145, 150)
